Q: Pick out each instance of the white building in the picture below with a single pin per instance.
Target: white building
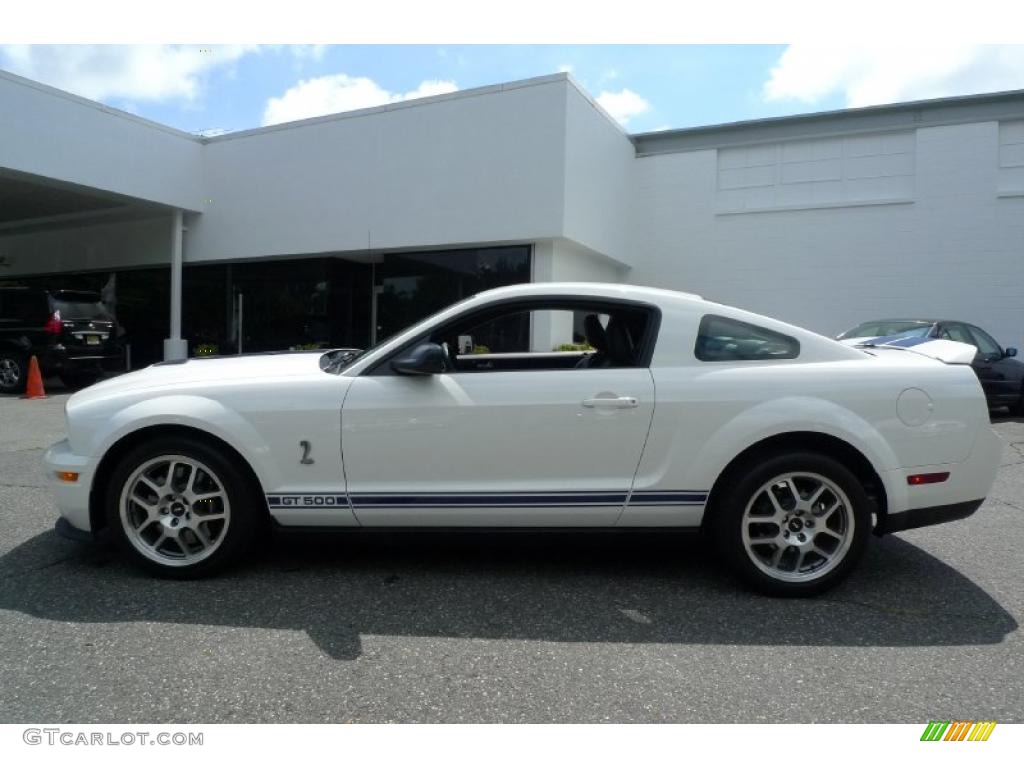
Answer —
(343, 228)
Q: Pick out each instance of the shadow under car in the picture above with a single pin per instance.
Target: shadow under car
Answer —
(561, 587)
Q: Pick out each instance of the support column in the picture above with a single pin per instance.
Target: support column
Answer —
(176, 348)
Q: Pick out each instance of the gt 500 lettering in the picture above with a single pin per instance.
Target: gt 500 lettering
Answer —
(304, 500)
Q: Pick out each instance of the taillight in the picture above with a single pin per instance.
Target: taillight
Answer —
(54, 325)
(931, 477)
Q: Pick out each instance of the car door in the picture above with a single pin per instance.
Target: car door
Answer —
(534, 444)
(998, 374)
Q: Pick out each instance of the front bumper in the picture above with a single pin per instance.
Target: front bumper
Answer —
(72, 498)
(918, 518)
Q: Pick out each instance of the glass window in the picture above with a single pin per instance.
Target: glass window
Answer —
(956, 332)
(878, 328)
(986, 344)
(548, 337)
(722, 338)
(76, 305)
(23, 306)
(412, 286)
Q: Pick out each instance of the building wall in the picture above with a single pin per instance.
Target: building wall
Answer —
(823, 232)
(599, 161)
(831, 232)
(50, 133)
(455, 170)
(109, 245)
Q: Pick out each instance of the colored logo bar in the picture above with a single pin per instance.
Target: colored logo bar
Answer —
(958, 730)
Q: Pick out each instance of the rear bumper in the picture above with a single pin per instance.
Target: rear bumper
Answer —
(918, 518)
(55, 360)
(968, 481)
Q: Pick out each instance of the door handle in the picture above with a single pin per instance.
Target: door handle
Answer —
(610, 402)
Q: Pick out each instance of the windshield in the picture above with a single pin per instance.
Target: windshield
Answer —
(878, 328)
(80, 306)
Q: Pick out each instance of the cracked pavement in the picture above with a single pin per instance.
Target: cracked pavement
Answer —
(502, 628)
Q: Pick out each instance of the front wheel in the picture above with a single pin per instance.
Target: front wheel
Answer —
(179, 508)
(793, 525)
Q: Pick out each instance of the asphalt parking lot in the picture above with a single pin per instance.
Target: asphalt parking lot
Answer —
(477, 627)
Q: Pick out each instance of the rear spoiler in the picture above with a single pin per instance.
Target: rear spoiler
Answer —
(946, 350)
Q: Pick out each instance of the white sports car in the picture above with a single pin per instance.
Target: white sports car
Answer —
(541, 405)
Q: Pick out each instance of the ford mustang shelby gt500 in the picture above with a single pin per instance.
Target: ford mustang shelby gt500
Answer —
(541, 405)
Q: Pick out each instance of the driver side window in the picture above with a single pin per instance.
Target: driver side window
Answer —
(987, 346)
(548, 337)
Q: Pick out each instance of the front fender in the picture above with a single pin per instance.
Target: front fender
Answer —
(95, 436)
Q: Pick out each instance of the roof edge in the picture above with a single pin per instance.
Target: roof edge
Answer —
(395, 106)
(81, 100)
(921, 113)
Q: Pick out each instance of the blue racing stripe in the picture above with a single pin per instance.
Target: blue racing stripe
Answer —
(504, 500)
(898, 340)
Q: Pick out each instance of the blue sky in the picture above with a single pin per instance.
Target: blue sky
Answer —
(645, 87)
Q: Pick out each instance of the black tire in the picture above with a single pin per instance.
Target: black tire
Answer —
(1018, 408)
(13, 373)
(746, 486)
(79, 379)
(245, 520)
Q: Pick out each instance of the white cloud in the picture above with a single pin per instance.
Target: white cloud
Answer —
(565, 68)
(311, 52)
(341, 93)
(623, 105)
(139, 72)
(867, 75)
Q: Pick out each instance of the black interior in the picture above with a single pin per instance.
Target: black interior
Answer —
(609, 334)
(617, 343)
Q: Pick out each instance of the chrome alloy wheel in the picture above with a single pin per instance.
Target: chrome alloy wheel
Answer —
(798, 526)
(175, 510)
(10, 372)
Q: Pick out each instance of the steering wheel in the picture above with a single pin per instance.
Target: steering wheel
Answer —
(449, 361)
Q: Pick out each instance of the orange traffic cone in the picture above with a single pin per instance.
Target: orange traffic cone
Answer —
(35, 390)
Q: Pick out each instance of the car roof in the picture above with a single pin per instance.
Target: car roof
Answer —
(901, 320)
(621, 290)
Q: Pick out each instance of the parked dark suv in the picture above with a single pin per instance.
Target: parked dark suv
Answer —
(71, 332)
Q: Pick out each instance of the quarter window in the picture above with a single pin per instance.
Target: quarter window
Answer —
(722, 338)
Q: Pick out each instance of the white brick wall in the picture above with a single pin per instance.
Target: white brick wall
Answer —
(956, 249)
(816, 173)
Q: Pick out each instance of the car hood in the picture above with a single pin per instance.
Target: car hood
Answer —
(195, 371)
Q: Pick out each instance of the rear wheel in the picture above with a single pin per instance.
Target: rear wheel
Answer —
(13, 372)
(793, 525)
(180, 508)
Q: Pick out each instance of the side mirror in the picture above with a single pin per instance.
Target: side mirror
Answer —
(424, 360)
(1010, 352)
